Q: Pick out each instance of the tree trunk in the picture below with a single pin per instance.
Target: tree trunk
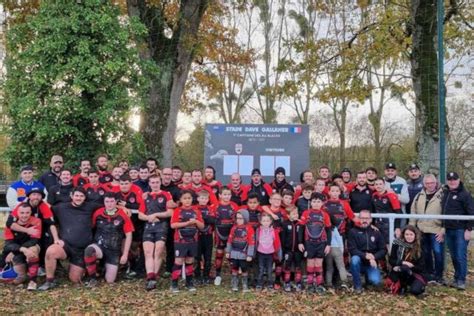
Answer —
(173, 57)
(425, 84)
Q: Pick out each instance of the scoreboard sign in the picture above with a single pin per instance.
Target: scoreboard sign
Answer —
(232, 148)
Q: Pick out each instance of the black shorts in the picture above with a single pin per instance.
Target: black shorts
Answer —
(110, 256)
(154, 236)
(315, 250)
(184, 250)
(75, 255)
(139, 225)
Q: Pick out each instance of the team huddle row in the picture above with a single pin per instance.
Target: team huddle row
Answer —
(271, 233)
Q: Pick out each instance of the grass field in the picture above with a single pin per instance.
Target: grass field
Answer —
(129, 297)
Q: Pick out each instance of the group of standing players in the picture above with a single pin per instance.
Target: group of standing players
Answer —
(132, 218)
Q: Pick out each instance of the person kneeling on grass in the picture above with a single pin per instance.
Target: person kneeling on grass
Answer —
(186, 220)
(407, 261)
(240, 249)
(111, 225)
(22, 250)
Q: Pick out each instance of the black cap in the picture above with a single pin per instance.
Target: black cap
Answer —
(390, 165)
(280, 170)
(36, 190)
(346, 170)
(452, 176)
(26, 168)
(414, 166)
(256, 171)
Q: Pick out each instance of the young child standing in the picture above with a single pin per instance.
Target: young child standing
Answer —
(303, 203)
(315, 241)
(205, 239)
(292, 256)
(224, 212)
(240, 249)
(186, 220)
(268, 247)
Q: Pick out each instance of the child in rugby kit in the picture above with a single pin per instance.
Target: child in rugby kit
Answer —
(303, 203)
(224, 213)
(206, 241)
(240, 249)
(292, 256)
(315, 241)
(186, 221)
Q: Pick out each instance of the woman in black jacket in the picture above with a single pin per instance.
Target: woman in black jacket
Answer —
(407, 262)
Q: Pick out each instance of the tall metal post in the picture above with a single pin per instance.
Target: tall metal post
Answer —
(441, 93)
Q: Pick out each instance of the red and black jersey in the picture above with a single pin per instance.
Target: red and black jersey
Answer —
(214, 185)
(242, 239)
(110, 230)
(238, 193)
(23, 238)
(282, 216)
(42, 211)
(209, 218)
(224, 219)
(95, 193)
(112, 187)
(386, 202)
(105, 176)
(340, 212)
(133, 199)
(263, 190)
(188, 233)
(78, 180)
(212, 197)
(317, 226)
(156, 202)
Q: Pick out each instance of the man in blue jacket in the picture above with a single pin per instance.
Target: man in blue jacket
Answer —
(457, 201)
(18, 191)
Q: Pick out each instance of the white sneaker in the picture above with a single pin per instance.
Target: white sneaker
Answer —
(32, 286)
(217, 281)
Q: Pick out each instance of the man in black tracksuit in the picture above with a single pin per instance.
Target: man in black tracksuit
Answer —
(415, 184)
(361, 195)
(292, 256)
(366, 245)
(457, 201)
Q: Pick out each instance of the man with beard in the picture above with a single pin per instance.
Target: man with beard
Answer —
(415, 184)
(41, 210)
(237, 188)
(61, 192)
(124, 165)
(372, 175)
(18, 190)
(114, 185)
(346, 175)
(361, 195)
(82, 177)
(197, 185)
(210, 180)
(51, 177)
(75, 232)
(152, 165)
(102, 166)
(279, 184)
(168, 185)
(142, 181)
(258, 186)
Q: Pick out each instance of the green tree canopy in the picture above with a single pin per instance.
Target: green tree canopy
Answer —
(70, 81)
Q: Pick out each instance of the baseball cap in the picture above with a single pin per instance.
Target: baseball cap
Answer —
(56, 158)
(390, 165)
(346, 170)
(36, 190)
(414, 166)
(452, 176)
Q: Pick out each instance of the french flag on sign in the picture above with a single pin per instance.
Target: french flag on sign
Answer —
(296, 130)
